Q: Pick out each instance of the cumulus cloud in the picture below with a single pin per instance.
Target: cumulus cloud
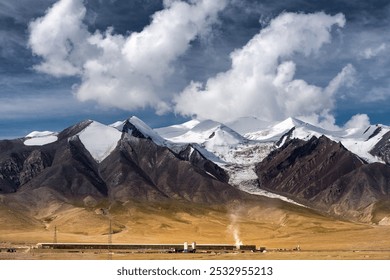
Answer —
(133, 71)
(358, 121)
(325, 119)
(124, 71)
(261, 81)
(59, 37)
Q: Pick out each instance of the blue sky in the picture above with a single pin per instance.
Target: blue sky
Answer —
(166, 61)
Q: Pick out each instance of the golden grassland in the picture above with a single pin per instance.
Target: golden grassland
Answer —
(274, 226)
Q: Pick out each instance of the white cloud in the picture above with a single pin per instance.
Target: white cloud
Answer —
(261, 79)
(358, 121)
(132, 71)
(345, 78)
(327, 121)
(324, 119)
(372, 52)
(59, 37)
(126, 72)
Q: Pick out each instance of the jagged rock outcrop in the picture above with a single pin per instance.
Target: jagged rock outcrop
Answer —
(12, 156)
(34, 164)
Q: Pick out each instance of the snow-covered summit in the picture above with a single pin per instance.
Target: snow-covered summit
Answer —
(246, 125)
(34, 134)
(360, 141)
(214, 135)
(217, 142)
(236, 146)
(136, 127)
(233, 142)
(207, 131)
(276, 131)
(177, 129)
(40, 138)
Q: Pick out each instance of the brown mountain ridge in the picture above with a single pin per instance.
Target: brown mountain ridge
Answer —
(324, 175)
(319, 173)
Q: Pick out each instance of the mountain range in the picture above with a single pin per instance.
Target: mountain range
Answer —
(344, 173)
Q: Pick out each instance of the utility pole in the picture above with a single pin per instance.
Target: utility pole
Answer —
(55, 234)
(110, 233)
(110, 240)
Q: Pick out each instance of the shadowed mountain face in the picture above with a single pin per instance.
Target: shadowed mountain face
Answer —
(158, 172)
(191, 154)
(20, 164)
(324, 175)
(137, 169)
(357, 193)
(382, 148)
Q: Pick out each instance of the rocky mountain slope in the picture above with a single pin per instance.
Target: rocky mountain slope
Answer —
(91, 162)
(343, 173)
(324, 175)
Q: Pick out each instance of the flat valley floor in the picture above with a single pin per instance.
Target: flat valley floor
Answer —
(302, 255)
(279, 227)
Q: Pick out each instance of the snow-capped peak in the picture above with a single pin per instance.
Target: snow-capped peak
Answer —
(289, 123)
(211, 132)
(223, 135)
(177, 129)
(146, 130)
(360, 141)
(136, 127)
(40, 138)
(246, 125)
(39, 134)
